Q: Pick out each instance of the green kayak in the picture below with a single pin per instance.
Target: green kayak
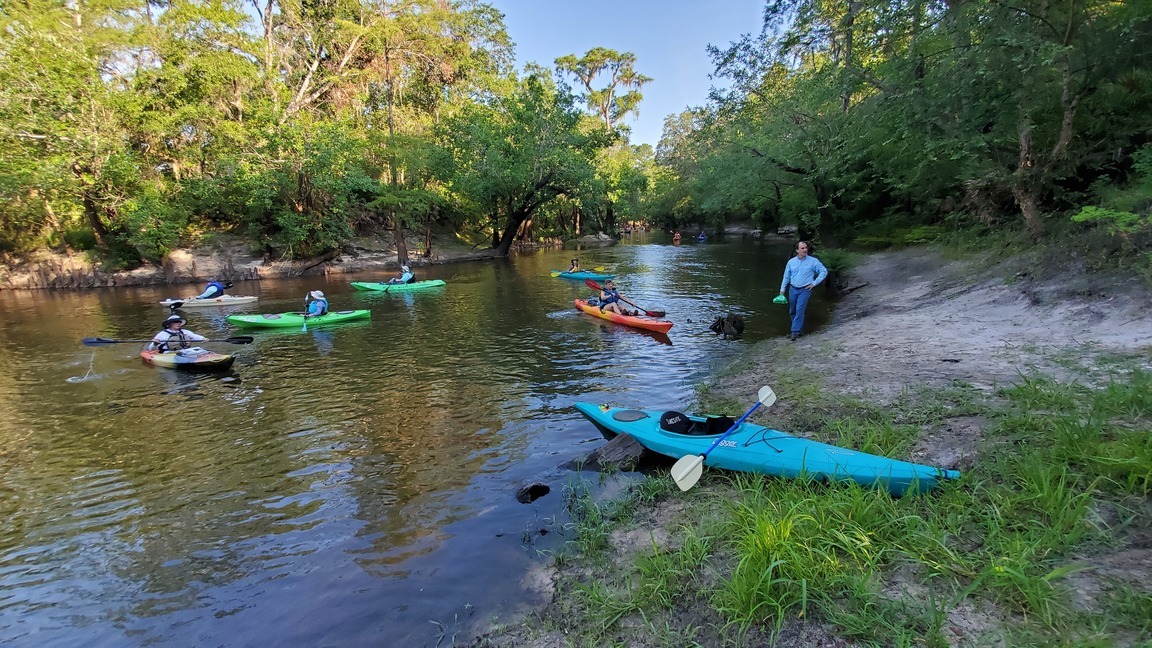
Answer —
(285, 320)
(387, 287)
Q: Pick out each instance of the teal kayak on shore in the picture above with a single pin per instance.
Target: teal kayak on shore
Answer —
(757, 449)
(284, 320)
(379, 286)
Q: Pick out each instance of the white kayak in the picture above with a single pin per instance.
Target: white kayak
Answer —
(222, 300)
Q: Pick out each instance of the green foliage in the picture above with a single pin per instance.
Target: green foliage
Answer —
(896, 233)
(837, 260)
(155, 222)
(620, 69)
(145, 125)
(79, 238)
(1118, 222)
(842, 115)
(1125, 210)
(519, 153)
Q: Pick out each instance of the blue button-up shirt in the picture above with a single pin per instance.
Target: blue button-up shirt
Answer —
(799, 273)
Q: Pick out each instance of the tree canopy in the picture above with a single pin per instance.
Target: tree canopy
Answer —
(131, 127)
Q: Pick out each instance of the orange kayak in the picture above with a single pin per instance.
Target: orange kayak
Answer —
(647, 323)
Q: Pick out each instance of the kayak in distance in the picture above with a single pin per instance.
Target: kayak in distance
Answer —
(756, 449)
(223, 300)
(192, 359)
(285, 320)
(399, 287)
(582, 275)
(646, 323)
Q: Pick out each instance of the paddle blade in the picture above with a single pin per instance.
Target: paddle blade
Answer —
(99, 341)
(687, 470)
(766, 396)
(592, 284)
(655, 313)
(175, 305)
(240, 339)
(555, 273)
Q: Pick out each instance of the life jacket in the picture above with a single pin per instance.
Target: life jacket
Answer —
(167, 344)
(323, 307)
(612, 296)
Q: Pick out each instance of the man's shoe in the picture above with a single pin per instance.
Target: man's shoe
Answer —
(794, 337)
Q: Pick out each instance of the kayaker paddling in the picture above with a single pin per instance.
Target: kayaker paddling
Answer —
(406, 276)
(173, 337)
(610, 300)
(574, 266)
(318, 305)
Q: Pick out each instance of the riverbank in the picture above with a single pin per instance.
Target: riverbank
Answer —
(1036, 386)
(231, 258)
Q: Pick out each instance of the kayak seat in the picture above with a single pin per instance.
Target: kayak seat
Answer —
(676, 422)
(679, 423)
(628, 416)
(717, 424)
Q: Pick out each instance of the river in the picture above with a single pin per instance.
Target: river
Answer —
(351, 485)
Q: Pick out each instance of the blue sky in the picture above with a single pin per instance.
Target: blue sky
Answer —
(667, 36)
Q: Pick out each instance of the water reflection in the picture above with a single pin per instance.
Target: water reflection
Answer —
(345, 485)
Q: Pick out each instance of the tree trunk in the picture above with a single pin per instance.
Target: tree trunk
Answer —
(1025, 181)
(513, 226)
(91, 206)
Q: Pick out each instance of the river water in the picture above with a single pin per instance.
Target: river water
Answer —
(351, 485)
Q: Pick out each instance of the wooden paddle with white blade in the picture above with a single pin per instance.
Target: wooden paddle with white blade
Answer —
(687, 470)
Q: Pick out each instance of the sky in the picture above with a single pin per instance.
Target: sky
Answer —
(668, 38)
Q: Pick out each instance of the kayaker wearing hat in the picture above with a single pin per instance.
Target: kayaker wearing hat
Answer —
(406, 276)
(174, 337)
(319, 304)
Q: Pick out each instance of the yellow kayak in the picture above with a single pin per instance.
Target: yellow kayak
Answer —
(193, 359)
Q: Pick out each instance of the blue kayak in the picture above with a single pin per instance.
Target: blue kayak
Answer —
(582, 275)
(757, 449)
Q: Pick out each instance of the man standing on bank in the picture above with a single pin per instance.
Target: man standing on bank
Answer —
(801, 275)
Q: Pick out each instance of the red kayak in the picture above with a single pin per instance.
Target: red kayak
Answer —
(646, 323)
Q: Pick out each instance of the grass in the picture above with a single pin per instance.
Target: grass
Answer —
(756, 556)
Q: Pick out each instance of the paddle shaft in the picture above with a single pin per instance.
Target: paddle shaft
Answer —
(99, 341)
(595, 286)
(733, 428)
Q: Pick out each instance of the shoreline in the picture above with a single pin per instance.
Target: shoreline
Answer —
(918, 332)
(228, 258)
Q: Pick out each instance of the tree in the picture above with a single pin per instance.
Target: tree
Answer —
(518, 152)
(620, 67)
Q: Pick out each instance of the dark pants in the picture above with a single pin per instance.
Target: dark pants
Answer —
(797, 304)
